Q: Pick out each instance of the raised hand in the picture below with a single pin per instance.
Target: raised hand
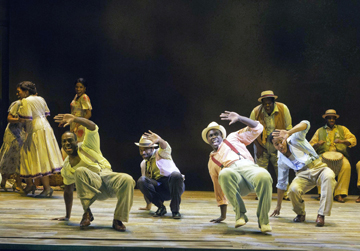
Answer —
(152, 136)
(281, 134)
(232, 116)
(64, 119)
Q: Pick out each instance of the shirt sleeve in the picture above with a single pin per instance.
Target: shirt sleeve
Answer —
(68, 177)
(165, 153)
(283, 175)
(315, 139)
(349, 137)
(85, 102)
(24, 110)
(288, 121)
(14, 108)
(47, 110)
(252, 114)
(247, 135)
(92, 139)
(300, 136)
(143, 168)
(219, 194)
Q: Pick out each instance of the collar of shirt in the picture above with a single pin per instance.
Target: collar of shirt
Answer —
(329, 128)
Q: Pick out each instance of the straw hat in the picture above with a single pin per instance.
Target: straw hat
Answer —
(267, 94)
(330, 112)
(145, 143)
(213, 125)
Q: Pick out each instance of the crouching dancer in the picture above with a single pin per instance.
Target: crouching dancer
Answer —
(297, 153)
(161, 180)
(91, 172)
(233, 171)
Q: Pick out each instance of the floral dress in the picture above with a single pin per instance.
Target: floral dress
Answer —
(40, 154)
(78, 109)
(13, 139)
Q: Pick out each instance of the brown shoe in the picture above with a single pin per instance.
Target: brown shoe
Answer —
(320, 220)
(87, 218)
(339, 198)
(118, 226)
(299, 218)
(357, 200)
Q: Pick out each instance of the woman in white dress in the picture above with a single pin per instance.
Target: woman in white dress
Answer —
(40, 155)
(10, 149)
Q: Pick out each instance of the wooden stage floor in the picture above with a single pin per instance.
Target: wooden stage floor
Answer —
(25, 225)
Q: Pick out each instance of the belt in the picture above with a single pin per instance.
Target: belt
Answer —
(310, 165)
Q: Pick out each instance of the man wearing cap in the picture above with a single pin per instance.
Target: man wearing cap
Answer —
(335, 138)
(296, 153)
(233, 171)
(86, 167)
(161, 180)
(272, 115)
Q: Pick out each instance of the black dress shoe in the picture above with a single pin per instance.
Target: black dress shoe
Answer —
(118, 226)
(320, 220)
(87, 218)
(176, 215)
(160, 212)
(299, 218)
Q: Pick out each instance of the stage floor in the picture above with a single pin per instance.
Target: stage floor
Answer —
(25, 224)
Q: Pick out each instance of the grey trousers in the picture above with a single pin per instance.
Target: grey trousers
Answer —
(243, 177)
(92, 186)
(316, 173)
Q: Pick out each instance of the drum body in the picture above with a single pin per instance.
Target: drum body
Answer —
(334, 160)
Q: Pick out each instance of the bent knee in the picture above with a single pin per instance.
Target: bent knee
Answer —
(176, 176)
(80, 171)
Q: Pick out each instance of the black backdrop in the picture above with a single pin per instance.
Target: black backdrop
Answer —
(174, 66)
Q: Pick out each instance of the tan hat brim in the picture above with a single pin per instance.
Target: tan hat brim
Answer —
(267, 96)
(145, 145)
(328, 115)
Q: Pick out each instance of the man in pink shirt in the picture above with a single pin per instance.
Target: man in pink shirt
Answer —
(233, 171)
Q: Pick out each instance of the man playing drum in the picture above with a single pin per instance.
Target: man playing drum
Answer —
(331, 141)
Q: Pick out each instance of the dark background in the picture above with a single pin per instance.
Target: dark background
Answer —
(174, 66)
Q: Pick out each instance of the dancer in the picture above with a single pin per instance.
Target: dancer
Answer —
(86, 167)
(295, 152)
(10, 150)
(40, 154)
(161, 180)
(271, 115)
(80, 107)
(233, 171)
(335, 138)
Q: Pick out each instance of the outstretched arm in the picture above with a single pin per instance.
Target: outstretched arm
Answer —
(280, 196)
(68, 198)
(67, 119)
(155, 139)
(223, 209)
(233, 117)
(286, 134)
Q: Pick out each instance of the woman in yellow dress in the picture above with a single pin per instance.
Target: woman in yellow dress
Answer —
(80, 107)
(40, 155)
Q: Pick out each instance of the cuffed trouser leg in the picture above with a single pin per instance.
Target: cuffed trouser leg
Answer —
(255, 179)
(328, 183)
(342, 187)
(358, 173)
(88, 186)
(233, 186)
(147, 187)
(121, 186)
(306, 180)
(176, 187)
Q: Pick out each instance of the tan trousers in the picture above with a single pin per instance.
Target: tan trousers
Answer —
(91, 186)
(307, 178)
(358, 173)
(342, 186)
